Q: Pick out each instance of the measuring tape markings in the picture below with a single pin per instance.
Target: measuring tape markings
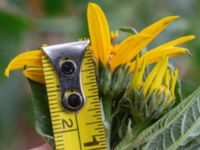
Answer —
(92, 96)
(56, 110)
(86, 126)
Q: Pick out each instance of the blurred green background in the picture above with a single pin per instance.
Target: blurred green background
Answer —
(27, 24)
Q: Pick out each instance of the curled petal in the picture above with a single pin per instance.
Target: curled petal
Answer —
(27, 59)
(133, 81)
(173, 83)
(151, 77)
(35, 74)
(173, 43)
(138, 76)
(157, 55)
(169, 45)
(167, 79)
(159, 76)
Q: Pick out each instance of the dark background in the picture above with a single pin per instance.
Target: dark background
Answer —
(27, 24)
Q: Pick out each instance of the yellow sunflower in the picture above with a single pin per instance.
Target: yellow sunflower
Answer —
(161, 78)
(127, 89)
(114, 55)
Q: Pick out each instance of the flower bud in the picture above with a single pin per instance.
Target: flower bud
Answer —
(153, 95)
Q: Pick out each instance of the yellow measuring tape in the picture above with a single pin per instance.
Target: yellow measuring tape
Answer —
(81, 130)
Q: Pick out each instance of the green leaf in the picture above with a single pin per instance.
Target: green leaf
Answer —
(192, 144)
(128, 30)
(177, 92)
(172, 130)
(41, 111)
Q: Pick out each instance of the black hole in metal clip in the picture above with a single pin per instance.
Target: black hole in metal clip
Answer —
(68, 67)
(73, 102)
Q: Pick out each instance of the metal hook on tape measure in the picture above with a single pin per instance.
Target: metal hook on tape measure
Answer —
(67, 59)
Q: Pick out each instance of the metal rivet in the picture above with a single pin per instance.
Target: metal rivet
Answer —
(68, 67)
(73, 102)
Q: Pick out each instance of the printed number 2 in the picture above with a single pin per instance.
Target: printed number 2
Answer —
(67, 123)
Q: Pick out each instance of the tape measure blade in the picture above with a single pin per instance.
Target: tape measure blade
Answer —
(91, 125)
(76, 131)
(53, 92)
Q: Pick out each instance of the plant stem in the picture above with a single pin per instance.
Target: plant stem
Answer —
(107, 118)
(139, 124)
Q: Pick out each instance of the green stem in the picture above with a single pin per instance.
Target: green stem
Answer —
(107, 119)
(138, 127)
(139, 123)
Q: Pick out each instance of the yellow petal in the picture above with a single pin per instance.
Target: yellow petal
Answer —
(159, 77)
(172, 43)
(125, 48)
(151, 77)
(99, 33)
(160, 89)
(173, 83)
(35, 74)
(168, 45)
(114, 34)
(157, 55)
(171, 52)
(134, 79)
(158, 26)
(130, 52)
(30, 58)
(114, 37)
(167, 79)
(140, 74)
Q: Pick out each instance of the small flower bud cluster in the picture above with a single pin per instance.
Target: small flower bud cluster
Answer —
(152, 95)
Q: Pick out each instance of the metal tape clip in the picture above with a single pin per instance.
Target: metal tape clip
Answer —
(67, 59)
